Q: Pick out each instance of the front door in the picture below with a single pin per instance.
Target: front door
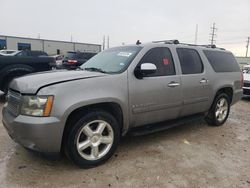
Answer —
(157, 96)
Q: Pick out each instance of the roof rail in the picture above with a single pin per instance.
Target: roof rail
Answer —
(175, 41)
(168, 41)
(206, 45)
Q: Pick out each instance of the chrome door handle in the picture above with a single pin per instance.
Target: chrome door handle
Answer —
(173, 84)
(203, 81)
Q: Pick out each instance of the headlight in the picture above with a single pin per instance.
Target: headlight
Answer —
(37, 105)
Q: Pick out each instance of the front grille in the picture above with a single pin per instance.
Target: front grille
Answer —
(246, 91)
(246, 84)
(14, 100)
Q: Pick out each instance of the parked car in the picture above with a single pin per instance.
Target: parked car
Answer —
(246, 68)
(31, 53)
(21, 64)
(85, 112)
(8, 52)
(58, 61)
(75, 59)
(246, 87)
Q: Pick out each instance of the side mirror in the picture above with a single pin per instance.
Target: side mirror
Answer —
(145, 69)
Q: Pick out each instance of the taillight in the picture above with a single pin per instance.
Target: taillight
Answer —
(72, 62)
(242, 80)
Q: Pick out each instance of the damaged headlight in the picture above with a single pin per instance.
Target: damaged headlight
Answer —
(36, 105)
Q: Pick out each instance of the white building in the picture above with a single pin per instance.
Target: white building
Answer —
(52, 47)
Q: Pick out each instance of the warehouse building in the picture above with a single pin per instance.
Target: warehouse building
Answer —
(52, 47)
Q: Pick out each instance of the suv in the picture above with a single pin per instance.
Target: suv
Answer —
(86, 111)
(75, 59)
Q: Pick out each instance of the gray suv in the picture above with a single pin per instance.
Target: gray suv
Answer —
(85, 112)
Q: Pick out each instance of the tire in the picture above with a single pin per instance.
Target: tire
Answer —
(97, 133)
(218, 116)
(6, 85)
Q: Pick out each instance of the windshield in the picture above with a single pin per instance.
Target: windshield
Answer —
(71, 55)
(113, 60)
(246, 71)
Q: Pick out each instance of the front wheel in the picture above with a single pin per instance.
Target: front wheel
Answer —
(219, 111)
(93, 139)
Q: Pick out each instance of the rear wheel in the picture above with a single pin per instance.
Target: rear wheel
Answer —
(219, 111)
(93, 139)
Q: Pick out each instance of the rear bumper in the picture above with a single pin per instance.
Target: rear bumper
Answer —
(35, 133)
(246, 91)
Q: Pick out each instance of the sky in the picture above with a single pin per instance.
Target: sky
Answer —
(126, 21)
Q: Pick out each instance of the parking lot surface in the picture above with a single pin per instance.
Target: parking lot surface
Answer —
(191, 155)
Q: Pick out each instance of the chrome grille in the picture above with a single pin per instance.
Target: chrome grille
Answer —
(14, 101)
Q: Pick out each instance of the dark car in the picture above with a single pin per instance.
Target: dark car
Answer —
(22, 63)
(31, 53)
(75, 59)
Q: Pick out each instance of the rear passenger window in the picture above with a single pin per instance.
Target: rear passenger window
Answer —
(162, 58)
(222, 61)
(190, 61)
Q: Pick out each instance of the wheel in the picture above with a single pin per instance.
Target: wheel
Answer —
(219, 111)
(93, 139)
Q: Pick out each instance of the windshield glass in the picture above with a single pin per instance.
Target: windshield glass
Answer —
(113, 60)
(247, 71)
(71, 55)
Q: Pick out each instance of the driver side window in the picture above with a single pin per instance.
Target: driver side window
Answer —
(162, 58)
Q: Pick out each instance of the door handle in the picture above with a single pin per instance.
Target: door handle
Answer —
(203, 80)
(173, 84)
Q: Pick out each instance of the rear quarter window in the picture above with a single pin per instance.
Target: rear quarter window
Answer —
(222, 61)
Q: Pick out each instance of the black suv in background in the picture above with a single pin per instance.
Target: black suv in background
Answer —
(75, 59)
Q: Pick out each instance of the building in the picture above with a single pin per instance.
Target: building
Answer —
(52, 47)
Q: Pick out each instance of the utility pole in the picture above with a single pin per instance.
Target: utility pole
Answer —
(213, 35)
(103, 43)
(108, 42)
(71, 38)
(248, 38)
(196, 34)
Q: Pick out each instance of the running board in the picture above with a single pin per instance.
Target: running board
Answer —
(151, 128)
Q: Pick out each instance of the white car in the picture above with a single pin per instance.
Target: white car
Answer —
(9, 52)
(246, 86)
(245, 68)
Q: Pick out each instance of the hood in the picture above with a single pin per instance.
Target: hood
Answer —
(246, 77)
(31, 83)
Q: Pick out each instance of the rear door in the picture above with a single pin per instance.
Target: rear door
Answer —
(195, 83)
(157, 96)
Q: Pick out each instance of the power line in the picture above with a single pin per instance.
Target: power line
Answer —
(213, 35)
(248, 38)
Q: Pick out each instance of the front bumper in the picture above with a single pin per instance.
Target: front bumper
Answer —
(41, 134)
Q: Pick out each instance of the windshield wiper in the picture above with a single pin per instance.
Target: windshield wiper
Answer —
(94, 69)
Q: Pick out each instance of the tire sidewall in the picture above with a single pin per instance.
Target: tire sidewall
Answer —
(219, 97)
(71, 141)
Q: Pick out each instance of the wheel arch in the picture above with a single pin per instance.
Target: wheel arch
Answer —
(111, 107)
(227, 90)
(13, 71)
